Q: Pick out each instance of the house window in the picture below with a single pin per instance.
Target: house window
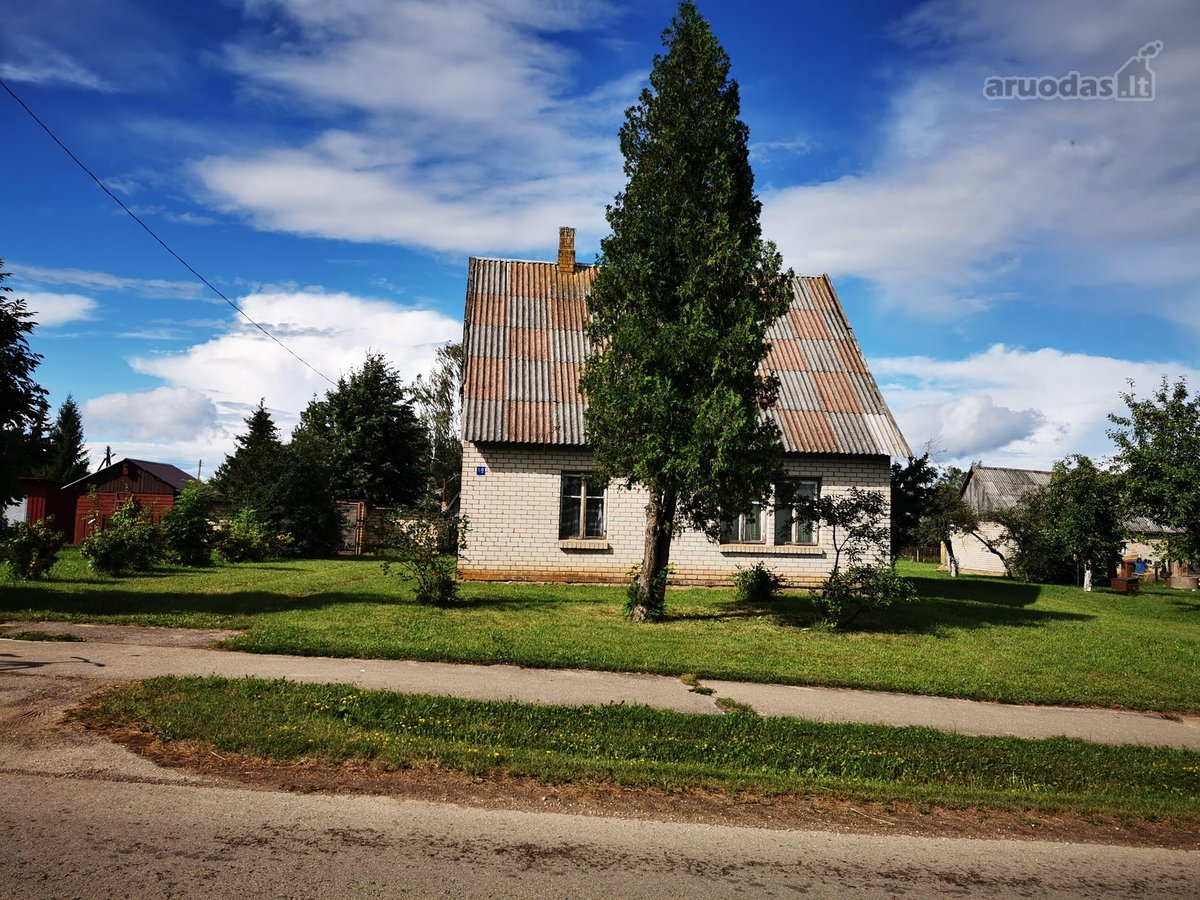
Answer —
(744, 528)
(581, 508)
(789, 527)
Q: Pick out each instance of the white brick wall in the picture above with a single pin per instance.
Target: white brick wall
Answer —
(976, 559)
(514, 510)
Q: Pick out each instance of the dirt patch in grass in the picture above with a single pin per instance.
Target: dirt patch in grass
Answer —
(145, 635)
(745, 809)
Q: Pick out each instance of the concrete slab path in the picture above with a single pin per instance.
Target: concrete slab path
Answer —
(109, 660)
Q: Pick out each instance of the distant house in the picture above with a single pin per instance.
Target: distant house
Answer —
(989, 490)
(535, 515)
(155, 486)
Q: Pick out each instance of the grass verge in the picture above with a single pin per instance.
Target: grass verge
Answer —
(638, 746)
(41, 636)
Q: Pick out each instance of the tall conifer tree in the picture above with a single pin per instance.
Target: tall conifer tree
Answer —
(685, 293)
(65, 457)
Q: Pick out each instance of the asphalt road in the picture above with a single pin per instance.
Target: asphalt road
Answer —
(95, 838)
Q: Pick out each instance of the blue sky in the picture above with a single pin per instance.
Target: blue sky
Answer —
(1007, 265)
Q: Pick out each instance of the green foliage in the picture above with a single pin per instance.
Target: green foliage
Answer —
(437, 395)
(22, 400)
(852, 590)
(946, 513)
(1072, 524)
(296, 499)
(418, 539)
(647, 604)
(366, 430)
(30, 550)
(857, 523)
(1158, 453)
(913, 487)
(187, 527)
(64, 458)
(680, 308)
(241, 476)
(128, 542)
(248, 537)
(757, 584)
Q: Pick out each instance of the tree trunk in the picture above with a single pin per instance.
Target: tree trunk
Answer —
(656, 550)
(991, 548)
(1087, 579)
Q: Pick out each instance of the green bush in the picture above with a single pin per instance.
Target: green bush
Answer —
(418, 538)
(757, 584)
(850, 591)
(186, 528)
(248, 537)
(128, 542)
(31, 550)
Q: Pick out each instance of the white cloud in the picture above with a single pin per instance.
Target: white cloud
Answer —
(41, 64)
(965, 189)
(472, 134)
(212, 386)
(158, 288)
(1011, 406)
(162, 414)
(50, 310)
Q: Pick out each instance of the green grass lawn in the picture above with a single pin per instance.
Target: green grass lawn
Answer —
(638, 746)
(982, 638)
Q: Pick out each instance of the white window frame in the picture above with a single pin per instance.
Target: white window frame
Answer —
(582, 499)
(794, 525)
(737, 534)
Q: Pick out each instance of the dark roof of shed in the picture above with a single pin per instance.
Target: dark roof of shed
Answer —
(524, 347)
(989, 488)
(165, 472)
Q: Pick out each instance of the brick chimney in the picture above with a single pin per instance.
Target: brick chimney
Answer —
(566, 251)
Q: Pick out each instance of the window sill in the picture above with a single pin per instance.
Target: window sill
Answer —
(593, 544)
(771, 549)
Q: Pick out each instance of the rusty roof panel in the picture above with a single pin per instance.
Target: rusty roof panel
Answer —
(568, 314)
(787, 355)
(529, 343)
(838, 328)
(867, 392)
(851, 356)
(527, 422)
(836, 393)
(808, 431)
(487, 378)
(801, 298)
(809, 324)
(565, 382)
(781, 330)
(821, 356)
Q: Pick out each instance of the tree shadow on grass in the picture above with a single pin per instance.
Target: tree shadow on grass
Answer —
(181, 603)
(998, 591)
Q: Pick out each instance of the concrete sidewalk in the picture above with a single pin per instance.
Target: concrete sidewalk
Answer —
(125, 661)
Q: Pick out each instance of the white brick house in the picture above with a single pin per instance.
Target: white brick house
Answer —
(532, 514)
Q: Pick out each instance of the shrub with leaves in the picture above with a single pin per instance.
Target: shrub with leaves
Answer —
(851, 590)
(417, 538)
(249, 537)
(128, 542)
(757, 584)
(31, 550)
(186, 527)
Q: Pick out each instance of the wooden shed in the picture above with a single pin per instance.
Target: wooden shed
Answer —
(46, 499)
(155, 486)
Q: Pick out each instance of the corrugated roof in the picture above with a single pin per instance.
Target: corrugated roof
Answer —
(991, 489)
(524, 347)
(172, 475)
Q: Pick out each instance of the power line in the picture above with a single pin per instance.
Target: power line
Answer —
(150, 231)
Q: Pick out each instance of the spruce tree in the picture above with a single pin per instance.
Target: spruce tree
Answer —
(22, 399)
(241, 476)
(685, 293)
(65, 458)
